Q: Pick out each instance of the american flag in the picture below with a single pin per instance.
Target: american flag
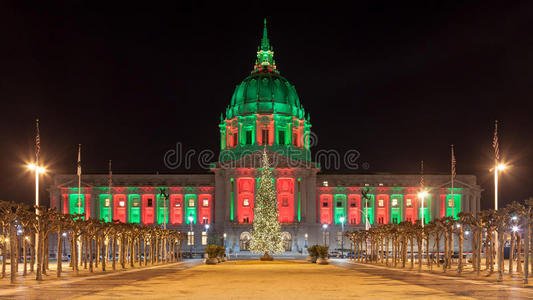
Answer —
(495, 143)
(79, 160)
(37, 142)
(453, 163)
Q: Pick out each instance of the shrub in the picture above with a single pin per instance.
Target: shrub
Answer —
(211, 250)
(312, 251)
(322, 251)
(220, 251)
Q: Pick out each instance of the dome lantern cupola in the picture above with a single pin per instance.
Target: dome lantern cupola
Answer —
(265, 111)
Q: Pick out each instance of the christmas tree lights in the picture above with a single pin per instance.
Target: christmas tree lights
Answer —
(266, 233)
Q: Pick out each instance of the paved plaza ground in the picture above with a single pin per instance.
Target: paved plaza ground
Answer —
(251, 279)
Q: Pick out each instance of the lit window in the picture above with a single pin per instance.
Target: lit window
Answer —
(136, 203)
(450, 202)
(204, 238)
(246, 202)
(205, 202)
(264, 135)
(281, 137)
(235, 139)
(177, 204)
(395, 202)
(190, 238)
(380, 203)
(408, 202)
(325, 183)
(107, 202)
(191, 202)
(121, 203)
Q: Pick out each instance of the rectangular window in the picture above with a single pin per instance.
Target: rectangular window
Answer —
(177, 204)
(339, 204)
(394, 202)
(205, 202)
(281, 137)
(408, 202)
(295, 139)
(150, 202)
(245, 202)
(353, 204)
(235, 139)
(204, 238)
(248, 137)
(191, 202)
(264, 136)
(121, 203)
(190, 238)
(339, 238)
(326, 237)
(107, 202)
(380, 203)
(324, 204)
(285, 202)
(450, 202)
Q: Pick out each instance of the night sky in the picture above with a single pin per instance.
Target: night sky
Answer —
(399, 82)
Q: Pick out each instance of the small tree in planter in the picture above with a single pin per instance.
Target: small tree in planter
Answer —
(322, 255)
(313, 254)
(212, 252)
(220, 253)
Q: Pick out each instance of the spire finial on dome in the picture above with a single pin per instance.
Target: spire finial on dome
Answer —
(265, 54)
(265, 45)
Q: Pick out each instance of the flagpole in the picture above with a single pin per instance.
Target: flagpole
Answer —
(79, 178)
(453, 175)
(496, 146)
(37, 154)
(110, 195)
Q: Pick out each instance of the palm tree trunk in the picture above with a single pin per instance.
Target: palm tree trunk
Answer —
(59, 251)
(446, 252)
(501, 267)
(114, 253)
(104, 251)
(90, 246)
(25, 254)
(511, 253)
(461, 240)
(38, 274)
(13, 252)
(519, 260)
(32, 252)
(419, 244)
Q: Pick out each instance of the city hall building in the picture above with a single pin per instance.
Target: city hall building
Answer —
(264, 113)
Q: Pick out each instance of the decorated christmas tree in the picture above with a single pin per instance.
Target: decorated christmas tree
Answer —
(266, 234)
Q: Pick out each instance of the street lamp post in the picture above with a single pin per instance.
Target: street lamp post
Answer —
(422, 195)
(190, 234)
(497, 168)
(206, 233)
(37, 169)
(325, 227)
(341, 219)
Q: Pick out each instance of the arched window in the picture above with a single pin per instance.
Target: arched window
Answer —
(245, 241)
(286, 237)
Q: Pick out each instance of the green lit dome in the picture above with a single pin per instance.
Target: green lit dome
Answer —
(265, 93)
